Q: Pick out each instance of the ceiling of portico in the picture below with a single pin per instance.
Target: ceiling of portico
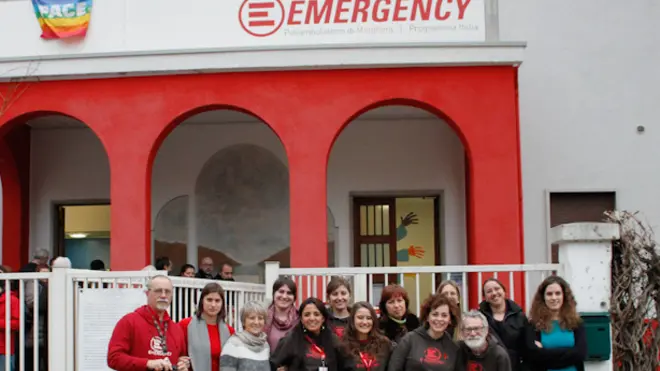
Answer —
(234, 117)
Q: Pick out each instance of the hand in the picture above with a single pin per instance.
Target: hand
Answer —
(410, 218)
(183, 364)
(538, 344)
(159, 364)
(416, 251)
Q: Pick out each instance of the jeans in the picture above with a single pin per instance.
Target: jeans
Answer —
(2, 363)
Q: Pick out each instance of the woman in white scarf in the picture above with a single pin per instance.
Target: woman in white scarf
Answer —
(248, 350)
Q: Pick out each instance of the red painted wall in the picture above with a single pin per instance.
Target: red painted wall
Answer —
(307, 110)
(15, 177)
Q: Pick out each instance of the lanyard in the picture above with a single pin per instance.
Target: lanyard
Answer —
(367, 361)
(316, 348)
(162, 333)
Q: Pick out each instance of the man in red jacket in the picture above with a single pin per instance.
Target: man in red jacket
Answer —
(148, 339)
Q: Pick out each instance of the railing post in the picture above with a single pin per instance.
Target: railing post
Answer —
(585, 251)
(271, 274)
(59, 326)
(360, 288)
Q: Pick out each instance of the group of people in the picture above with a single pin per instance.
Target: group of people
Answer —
(338, 336)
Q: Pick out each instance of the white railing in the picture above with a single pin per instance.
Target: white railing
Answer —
(419, 282)
(188, 290)
(23, 317)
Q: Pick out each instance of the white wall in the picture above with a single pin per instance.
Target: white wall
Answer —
(397, 155)
(589, 77)
(66, 165)
(403, 156)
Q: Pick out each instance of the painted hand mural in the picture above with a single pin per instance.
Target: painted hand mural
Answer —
(404, 255)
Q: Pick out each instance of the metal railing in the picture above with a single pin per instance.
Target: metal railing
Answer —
(419, 282)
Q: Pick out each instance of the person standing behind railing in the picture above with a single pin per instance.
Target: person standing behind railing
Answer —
(8, 350)
(560, 342)
(207, 332)
(450, 289)
(506, 320)
(363, 346)
(395, 317)
(339, 296)
(282, 315)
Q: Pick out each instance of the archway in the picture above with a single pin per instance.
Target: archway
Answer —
(231, 171)
(55, 172)
(396, 180)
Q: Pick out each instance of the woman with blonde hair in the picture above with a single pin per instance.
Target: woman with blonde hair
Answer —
(450, 289)
(557, 331)
(248, 350)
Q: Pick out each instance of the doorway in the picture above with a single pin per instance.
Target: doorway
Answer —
(397, 231)
(83, 233)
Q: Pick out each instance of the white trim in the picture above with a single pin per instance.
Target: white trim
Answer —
(261, 59)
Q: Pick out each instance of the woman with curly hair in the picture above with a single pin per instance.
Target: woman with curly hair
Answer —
(363, 346)
(396, 319)
(560, 342)
(429, 347)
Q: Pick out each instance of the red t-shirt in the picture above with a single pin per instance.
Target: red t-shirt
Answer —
(135, 340)
(214, 337)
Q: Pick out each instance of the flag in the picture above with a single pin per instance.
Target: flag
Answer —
(61, 19)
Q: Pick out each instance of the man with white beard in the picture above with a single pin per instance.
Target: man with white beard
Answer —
(481, 351)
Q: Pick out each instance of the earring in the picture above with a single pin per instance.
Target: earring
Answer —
(304, 329)
(322, 327)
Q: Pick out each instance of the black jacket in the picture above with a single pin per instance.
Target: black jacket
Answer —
(295, 352)
(512, 332)
(378, 362)
(417, 351)
(394, 331)
(543, 359)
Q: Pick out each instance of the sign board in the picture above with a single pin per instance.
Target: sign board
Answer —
(170, 26)
(98, 312)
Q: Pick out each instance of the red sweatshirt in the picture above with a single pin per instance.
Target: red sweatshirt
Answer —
(14, 319)
(135, 340)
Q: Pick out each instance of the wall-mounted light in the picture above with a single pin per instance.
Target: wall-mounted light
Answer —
(77, 235)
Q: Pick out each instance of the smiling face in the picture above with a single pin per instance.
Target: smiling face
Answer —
(364, 323)
(473, 332)
(283, 297)
(439, 319)
(396, 307)
(554, 297)
(450, 292)
(254, 323)
(312, 319)
(494, 293)
(339, 299)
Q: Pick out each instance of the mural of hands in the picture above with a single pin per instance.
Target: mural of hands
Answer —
(414, 251)
(410, 218)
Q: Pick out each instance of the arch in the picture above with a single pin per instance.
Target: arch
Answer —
(170, 232)
(183, 116)
(410, 102)
(242, 206)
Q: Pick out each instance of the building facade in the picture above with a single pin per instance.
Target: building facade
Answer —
(375, 138)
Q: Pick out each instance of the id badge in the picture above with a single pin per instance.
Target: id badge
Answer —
(323, 368)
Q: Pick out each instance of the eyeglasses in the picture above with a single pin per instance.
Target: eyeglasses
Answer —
(167, 292)
(468, 330)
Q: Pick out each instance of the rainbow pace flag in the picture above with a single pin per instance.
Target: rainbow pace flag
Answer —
(61, 19)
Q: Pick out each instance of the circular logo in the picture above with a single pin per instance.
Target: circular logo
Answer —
(261, 18)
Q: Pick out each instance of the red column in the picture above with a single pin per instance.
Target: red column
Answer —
(12, 210)
(494, 192)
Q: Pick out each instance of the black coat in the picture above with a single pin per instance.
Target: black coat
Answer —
(512, 332)
(394, 331)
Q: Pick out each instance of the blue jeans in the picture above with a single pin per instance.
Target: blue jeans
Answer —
(2, 363)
